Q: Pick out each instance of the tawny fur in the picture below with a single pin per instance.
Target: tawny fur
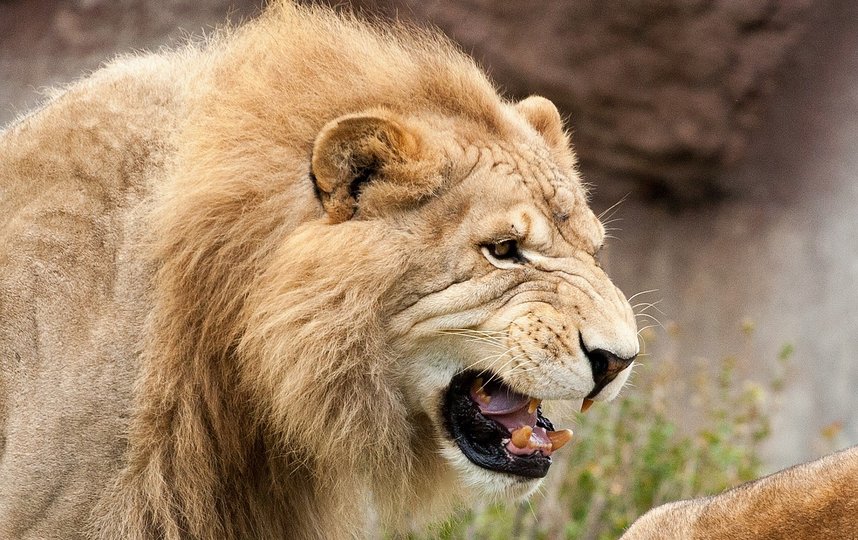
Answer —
(818, 499)
(202, 339)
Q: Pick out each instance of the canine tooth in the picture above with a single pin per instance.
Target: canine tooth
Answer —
(480, 390)
(559, 438)
(521, 436)
(586, 405)
(534, 403)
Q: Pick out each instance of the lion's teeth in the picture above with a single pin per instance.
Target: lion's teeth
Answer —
(521, 436)
(559, 438)
(586, 405)
(534, 403)
(536, 445)
(480, 391)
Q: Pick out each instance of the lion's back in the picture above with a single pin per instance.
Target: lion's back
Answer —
(75, 178)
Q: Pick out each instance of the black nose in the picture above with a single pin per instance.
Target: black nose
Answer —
(605, 365)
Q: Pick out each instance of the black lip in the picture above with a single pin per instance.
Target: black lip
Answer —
(481, 439)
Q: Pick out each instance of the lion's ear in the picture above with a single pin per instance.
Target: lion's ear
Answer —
(353, 150)
(545, 119)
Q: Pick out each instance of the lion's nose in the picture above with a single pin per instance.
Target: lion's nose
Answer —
(605, 365)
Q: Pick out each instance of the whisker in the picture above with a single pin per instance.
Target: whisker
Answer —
(647, 328)
(632, 297)
(650, 317)
(612, 207)
(477, 336)
(492, 341)
(468, 331)
(497, 369)
(648, 305)
(642, 345)
(490, 359)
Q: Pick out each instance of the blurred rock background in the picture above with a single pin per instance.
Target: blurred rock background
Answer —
(728, 128)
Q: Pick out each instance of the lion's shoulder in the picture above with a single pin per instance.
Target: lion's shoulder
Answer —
(75, 175)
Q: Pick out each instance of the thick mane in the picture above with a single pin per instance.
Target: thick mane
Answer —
(236, 228)
(270, 271)
(316, 66)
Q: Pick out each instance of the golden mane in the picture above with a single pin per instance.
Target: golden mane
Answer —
(243, 278)
(254, 109)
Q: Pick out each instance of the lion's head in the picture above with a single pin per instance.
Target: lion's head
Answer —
(506, 302)
(464, 266)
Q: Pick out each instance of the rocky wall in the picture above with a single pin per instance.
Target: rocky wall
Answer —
(661, 94)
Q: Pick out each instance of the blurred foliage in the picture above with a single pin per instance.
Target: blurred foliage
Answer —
(631, 455)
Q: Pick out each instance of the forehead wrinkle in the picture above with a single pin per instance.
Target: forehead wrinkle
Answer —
(510, 162)
(541, 176)
(466, 154)
(532, 168)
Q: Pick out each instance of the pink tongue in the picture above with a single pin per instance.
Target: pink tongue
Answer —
(510, 409)
(506, 407)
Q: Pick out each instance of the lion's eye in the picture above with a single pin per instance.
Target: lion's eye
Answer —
(503, 254)
(508, 249)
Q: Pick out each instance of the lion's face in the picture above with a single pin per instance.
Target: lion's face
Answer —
(514, 308)
(501, 301)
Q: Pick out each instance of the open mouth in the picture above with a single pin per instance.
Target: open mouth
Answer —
(499, 429)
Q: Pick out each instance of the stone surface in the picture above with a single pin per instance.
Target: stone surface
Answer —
(49, 42)
(661, 94)
(783, 258)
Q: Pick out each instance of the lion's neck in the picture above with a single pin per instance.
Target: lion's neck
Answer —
(200, 467)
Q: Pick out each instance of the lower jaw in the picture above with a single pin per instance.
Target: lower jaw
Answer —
(473, 480)
(522, 468)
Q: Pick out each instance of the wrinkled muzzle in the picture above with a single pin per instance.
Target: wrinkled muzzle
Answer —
(580, 347)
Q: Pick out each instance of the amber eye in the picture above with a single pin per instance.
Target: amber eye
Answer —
(508, 249)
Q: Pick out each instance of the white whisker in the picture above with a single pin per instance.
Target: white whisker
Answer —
(650, 317)
(612, 207)
(632, 297)
(647, 328)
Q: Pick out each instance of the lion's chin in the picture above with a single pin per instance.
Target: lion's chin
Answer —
(487, 484)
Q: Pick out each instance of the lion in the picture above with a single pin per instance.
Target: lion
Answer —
(818, 499)
(309, 278)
